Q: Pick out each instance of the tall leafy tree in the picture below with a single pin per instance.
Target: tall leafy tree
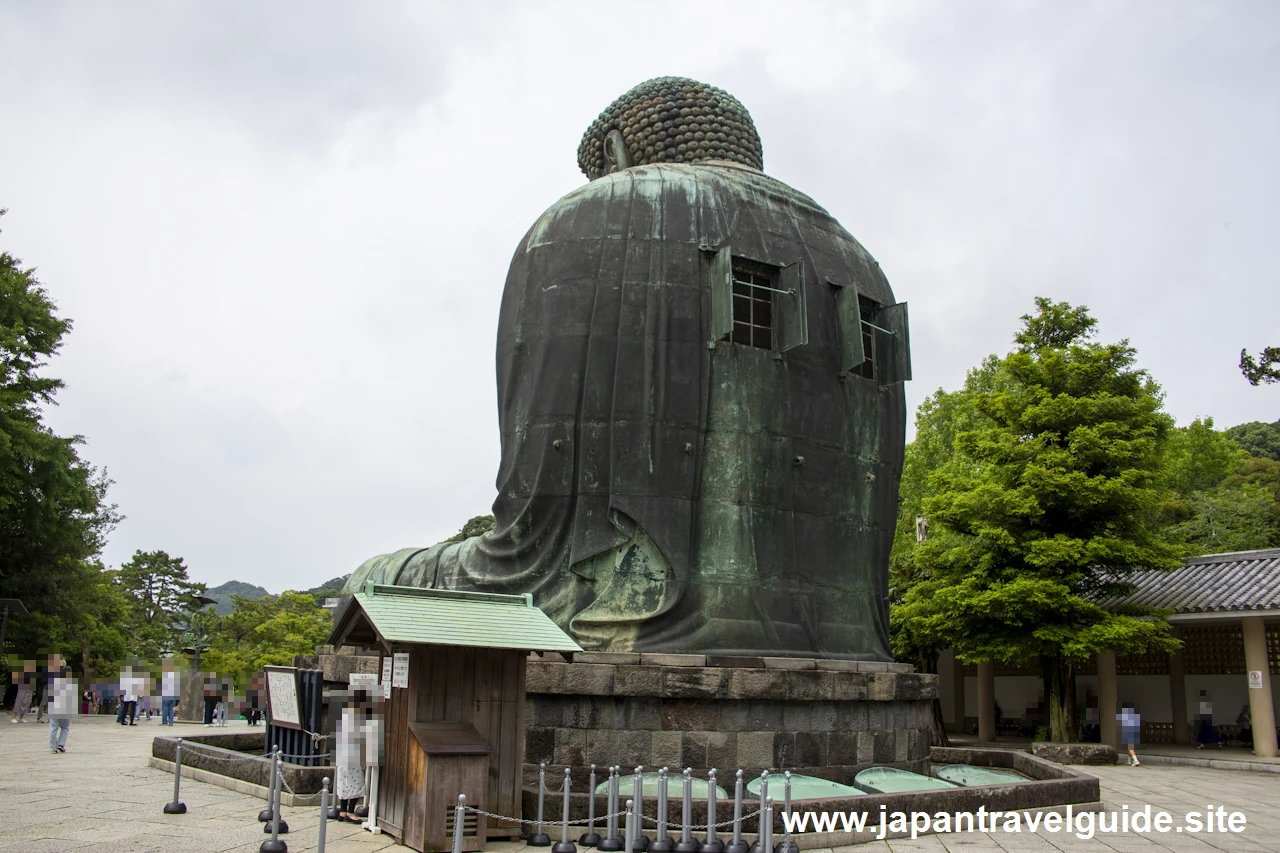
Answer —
(161, 595)
(1047, 504)
(54, 513)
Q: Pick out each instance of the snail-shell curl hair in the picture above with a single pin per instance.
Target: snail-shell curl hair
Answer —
(673, 120)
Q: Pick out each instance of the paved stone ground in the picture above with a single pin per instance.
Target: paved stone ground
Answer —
(102, 796)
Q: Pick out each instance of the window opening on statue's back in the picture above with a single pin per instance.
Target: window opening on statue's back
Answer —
(867, 312)
(753, 287)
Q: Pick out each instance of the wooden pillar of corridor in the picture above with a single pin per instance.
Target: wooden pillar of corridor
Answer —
(1108, 698)
(987, 702)
(1262, 710)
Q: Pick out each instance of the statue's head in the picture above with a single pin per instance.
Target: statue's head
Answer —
(669, 120)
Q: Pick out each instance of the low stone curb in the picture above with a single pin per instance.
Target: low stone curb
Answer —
(195, 774)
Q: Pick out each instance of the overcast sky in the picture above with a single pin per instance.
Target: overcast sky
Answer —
(282, 229)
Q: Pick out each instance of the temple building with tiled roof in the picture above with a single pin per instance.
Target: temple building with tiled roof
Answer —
(1226, 610)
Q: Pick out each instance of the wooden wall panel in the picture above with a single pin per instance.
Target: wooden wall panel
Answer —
(392, 778)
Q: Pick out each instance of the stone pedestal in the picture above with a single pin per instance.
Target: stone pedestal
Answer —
(828, 718)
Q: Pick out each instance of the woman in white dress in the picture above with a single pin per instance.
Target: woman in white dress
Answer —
(349, 784)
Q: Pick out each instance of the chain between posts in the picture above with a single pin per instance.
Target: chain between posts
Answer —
(583, 821)
(308, 798)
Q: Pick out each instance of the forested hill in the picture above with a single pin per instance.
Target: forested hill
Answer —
(225, 592)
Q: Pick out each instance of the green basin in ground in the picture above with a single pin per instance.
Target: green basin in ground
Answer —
(802, 788)
(890, 780)
(649, 787)
(969, 776)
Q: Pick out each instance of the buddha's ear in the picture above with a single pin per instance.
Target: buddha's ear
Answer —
(616, 157)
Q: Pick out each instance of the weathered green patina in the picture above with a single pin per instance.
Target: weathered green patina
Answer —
(663, 488)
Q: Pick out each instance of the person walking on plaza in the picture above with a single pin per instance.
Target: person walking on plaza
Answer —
(170, 691)
(128, 697)
(62, 693)
(25, 678)
(1130, 731)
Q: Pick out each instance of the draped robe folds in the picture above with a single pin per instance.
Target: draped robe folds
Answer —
(651, 494)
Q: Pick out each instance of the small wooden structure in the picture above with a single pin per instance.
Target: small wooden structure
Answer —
(455, 716)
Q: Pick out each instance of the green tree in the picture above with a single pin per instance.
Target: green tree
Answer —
(1265, 369)
(1258, 438)
(267, 632)
(1199, 457)
(476, 526)
(54, 513)
(940, 418)
(161, 594)
(1046, 506)
(1215, 506)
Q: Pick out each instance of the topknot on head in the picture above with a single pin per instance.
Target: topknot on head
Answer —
(672, 120)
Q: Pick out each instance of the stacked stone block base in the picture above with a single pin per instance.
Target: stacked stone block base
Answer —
(826, 718)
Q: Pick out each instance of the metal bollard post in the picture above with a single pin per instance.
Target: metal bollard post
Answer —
(281, 827)
(176, 807)
(612, 840)
(759, 847)
(712, 844)
(459, 819)
(565, 845)
(640, 840)
(686, 844)
(540, 838)
(767, 825)
(737, 845)
(591, 838)
(662, 842)
(275, 844)
(324, 811)
(265, 815)
(629, 829)
(787, 845)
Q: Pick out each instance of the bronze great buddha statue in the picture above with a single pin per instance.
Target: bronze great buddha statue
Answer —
(700, 398)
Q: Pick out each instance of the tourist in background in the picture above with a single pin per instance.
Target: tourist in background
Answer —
(1206, 732)
(349, 784)
(1245, 721)
(170, 691)
(25, 678)
(128, 698)
(210, 697)
(1130, 731)
(224, 699)
(62, 692)
(41, 698)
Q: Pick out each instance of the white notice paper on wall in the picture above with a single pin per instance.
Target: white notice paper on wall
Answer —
(1255, 679)
(400, 670)
(386, 678)
(363, 681)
